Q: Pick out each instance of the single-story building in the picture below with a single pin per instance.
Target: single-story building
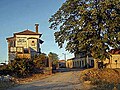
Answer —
(82, 60)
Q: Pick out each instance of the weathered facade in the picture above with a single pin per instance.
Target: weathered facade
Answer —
(25, 44)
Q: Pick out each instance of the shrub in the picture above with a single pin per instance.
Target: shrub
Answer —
(20, 67)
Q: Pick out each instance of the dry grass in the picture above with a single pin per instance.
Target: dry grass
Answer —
(105, 78)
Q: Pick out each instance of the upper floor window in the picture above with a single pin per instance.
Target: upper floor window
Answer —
(21, 41)
(33, 43)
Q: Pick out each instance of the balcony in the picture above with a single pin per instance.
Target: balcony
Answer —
(21, 52)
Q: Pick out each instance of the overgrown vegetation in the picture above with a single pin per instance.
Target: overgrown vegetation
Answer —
(25, 67)
(54, 59)
(22, 67)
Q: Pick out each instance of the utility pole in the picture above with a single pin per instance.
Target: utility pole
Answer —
(64, 56)
(65, 59)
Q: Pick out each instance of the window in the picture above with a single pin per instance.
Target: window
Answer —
(116, 61)
(19, 50)
(12, 49)
(26, 50)
(12, 43)
(33, 43)
(21, 40)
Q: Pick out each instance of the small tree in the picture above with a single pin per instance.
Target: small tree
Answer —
(54, 58)
(41, 61)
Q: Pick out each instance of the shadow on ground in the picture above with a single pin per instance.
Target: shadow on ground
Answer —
(67, 70)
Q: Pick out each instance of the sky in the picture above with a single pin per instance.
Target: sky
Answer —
(19, 15)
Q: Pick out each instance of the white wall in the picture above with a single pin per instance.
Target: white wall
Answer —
(23, 41)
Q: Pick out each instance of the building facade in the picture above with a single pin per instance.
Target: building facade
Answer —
(25, 44)
(81, 60)
(62, 63)
(113, 62)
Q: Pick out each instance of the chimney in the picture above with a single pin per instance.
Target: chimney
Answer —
(36, 27)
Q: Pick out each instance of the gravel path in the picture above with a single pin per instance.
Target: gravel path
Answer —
(59, 81)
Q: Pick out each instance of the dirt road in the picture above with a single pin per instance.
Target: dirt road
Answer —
(60, 81)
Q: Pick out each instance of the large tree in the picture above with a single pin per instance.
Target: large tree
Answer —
(90, 25)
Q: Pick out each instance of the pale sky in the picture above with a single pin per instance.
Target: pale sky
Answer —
(19, 15)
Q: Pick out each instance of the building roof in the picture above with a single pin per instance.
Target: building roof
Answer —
(70, 59)
(115, 51)
(62, 60)
(10, 38)
(41, 41)
(27, 32)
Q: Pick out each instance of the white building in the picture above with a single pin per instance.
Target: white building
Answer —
(25, 44)
(81, 60)
(84, 60)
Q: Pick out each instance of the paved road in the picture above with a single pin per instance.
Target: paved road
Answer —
(60, 81)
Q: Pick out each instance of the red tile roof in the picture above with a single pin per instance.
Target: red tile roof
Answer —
(115, 51)
(27, 32)
(10, 38)
(62, 61)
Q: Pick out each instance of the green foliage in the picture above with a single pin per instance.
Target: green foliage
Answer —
(3, 70)
(21, 67)
(2, 67)
(40, 61)
(54, 58)
(91, 25)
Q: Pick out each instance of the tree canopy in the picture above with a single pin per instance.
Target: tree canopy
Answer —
(91, 25)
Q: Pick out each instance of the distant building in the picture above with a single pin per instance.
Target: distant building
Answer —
(81, 60)
(25, 44)
(113, 62)
(62, 63)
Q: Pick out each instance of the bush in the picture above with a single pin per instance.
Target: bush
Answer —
(20, 67)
